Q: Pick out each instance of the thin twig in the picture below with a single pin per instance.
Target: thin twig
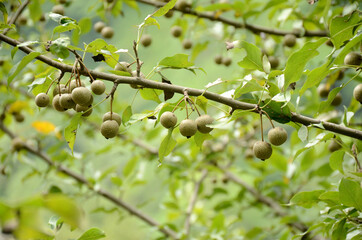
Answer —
(17, 15)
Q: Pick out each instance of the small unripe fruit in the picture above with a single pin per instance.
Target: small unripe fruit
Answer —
(74, 84)
(277, 136)
(290, 40)
(323, 91)
(59, 9)
(188, 128)
(168, 119)
(337, 100)
(169, 14)
(249, 153)
(19, 117)
(353, 58)
(176, 31)
(274, 62)
(22, 20)
(115, 116)
(262, 150)
(146, 40)
(62, 1)
(86, 109)
(334, 146)
(226, 61)
(357, 92)
(81, 96)
(66, 101)
(98, 87)
(42, 100)
(340, 75)
(56, 104)
(62, 88)
(202, 121)
(183, 5)
(17, 144)
(218, 59)
(123, 66)
(98, 26)
(109, 129)
(329, 43)
(107, 32)
(187, 44)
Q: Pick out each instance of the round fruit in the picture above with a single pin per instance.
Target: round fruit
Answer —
(183, 4)
(22, 20)
(323, 91)
(168, 119)
(59, 9)
(262, 150)
(187, 44)
(109, 129)
(146, 40)
(62, 88)
(176, 31)
(74, 84)
(42, 100)
(81, 96)
(337, 100)
(357, 92)
(274, 62)
(169, 14)
(277, 136)
(353, 58)
(188, 128)
(62, 1)
(249, 153)
(17, 143)
(123, 66)
(340, 75)
(329, 43)
(98, 26)
(202, 121)
(334, 146)
(218, 59)
(290, 40)
(226, 61)
(107, 32)
(134, 74)
(87, 109)
(19, 117)
(56, 104)
(98, 87)
(66, 101)
(115, 116)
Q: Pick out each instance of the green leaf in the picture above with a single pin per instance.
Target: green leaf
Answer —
(177, 61)
(163, 10)
(330, 197)
(336, 160)
(167, 145)
(223, 205)
(92, 234)
(306, 199)
(39, 85)
(70, 132)
(343, 28)
(201, 101)
(253, 58)
(247, 87)
(85, 25)
(218, 222)
(66, 27)
(303, 133)
(200, 138)
(197, 49)
(350, 193)
(277, 111)
(339, 231)
(4, 11)
(130, 166)
(297, 61)
(149, 21)
(151, 94)
(21, 65)
(35, 10)
(347, 48)
(126, 116)
(332, 94)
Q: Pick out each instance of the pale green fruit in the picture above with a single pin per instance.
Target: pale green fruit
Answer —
(277, 136)
(66, 101)
(146, 40)
(74, 84)
(168, 119)
(226, 61)
(188, 128)
(218, 59)
(176, 31)
(107, 32)
(353, 58)
(357, 93)
(81, 96)
(42, 100)
(17, 144)
(59, 9)
(98, 87)
(56, 104)
(202, 121)
(337, 100)
(290, 40)
(123, 66)
(115, 116)
(334, 146)
(86, 109)
(187, 44)
(98, 26)
(109, 129)
(262, 150)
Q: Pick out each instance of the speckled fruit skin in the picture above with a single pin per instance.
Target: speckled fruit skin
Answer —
(80, 108)
(66, 101)
(109, 129)
(357, 93)
(98, 26)
(277, 136)
(353, 58)
(323, 91)
(146, 40)
(107, 32)
(98, 87)
(202, 121)
(56, 104)
(42, 100)
(188, 128)
(262, 150)
(62, 88)
(81, 96)
(290, 40)
(59, 9)
(168, 119)
(334, 146)
(187, 44)
(176, 31)
(115, 116)
(123, 66)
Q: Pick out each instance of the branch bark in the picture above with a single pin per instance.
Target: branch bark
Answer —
(234, 104)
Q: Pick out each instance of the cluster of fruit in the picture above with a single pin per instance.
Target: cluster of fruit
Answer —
(176, 31)
(218, 59)
(103, 29)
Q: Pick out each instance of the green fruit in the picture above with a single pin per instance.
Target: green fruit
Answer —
(123, 66)
(42, 100)
(290, 40)
(74, 84)
(329, 43)
(62, 88)
(169, 14)
(188, 128)
(168, 119)
(274, 62)
(201, 123)
(81, 96)
(340, 75)
(183, 5)
(17, 144)
(176, 31)
(218, 59)
(146, 40)
(66, 101)
(227, 61)
(323, 90)
(115, 116)
(334, 146)
(56, 104)
(262, 150)
(249, 153)
(86, 109)
(187, 44)
(19, 117)
(107, 32)
(22, 20)
(277, 136)
(357, 92)
(109, 129)
(98, 87)
(98, 26)
(59, 9)
(337, 100)
(353, 58)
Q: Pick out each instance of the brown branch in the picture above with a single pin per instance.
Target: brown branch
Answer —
(253, 28)
(79, 178)
(234, 104)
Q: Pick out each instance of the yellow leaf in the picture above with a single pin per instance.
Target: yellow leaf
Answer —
(17, 106)
(43, 126)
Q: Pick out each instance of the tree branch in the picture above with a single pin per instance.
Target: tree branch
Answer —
(234, 104)
(253, 28)
(79, 178)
